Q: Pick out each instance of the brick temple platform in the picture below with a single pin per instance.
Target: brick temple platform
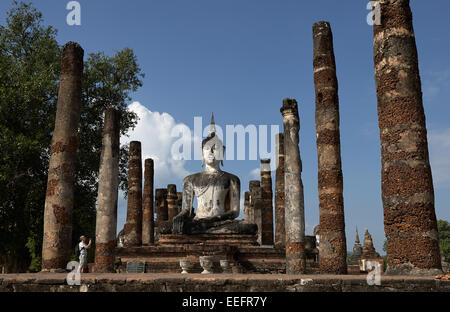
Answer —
(243, 252)
(55, 282)
(209, 239)
(243, 259)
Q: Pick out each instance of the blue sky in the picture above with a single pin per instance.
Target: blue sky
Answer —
(239, 59)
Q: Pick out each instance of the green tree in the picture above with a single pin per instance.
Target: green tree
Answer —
(29, 80)
(444, 238)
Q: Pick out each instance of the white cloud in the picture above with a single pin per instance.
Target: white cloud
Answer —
(154, 130)
(255, 174)
(439, 145)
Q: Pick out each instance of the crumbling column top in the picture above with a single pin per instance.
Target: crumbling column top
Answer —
(254, 183)
(322, 26)
(172, 188)
(71, 45)
(289, 106)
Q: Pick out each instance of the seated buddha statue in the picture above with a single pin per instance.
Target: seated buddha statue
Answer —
(218, 196)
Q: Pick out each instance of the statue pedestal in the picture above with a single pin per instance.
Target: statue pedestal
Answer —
(166, 258)
(242, 251)
(224, 228)
(236, 240)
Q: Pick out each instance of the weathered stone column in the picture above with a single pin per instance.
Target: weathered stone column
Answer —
(251, 210)
(156, 205)
(172, 201)
(179, 201)
(161, 204)
(57, 240)
(280, 233)
(148, 226)
(407, 185)
(133, 227)
(294, 198)
(108, 187)
(267, 198)
(333, 248)
(256, 205)
(247, 207)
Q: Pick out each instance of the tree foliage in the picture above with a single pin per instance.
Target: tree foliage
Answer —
(444, 238)
(30, 60)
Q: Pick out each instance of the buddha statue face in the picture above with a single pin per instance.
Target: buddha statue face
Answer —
(212, 151)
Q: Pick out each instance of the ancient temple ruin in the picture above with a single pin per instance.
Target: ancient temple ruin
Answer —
(271, 237)
(363, 254)
(211, 230)
(357, 252)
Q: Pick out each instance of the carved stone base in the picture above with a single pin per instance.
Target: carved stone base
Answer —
(192, 227)
(243, 258)
(209, 239)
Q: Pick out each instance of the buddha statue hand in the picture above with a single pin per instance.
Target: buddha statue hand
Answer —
(178, 222)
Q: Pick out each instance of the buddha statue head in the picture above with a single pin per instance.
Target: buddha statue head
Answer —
(213, 150)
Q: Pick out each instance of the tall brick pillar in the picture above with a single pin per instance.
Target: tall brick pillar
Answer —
(108, 187)
(333, 248)
(294, 198)
(256, 205)
(133, 226)
(280, 233)
(161, 204)
(179, 201)
(148, 226)
(267, 198)
(172, 197)
(407, 185)
(247, 207)
(57, 240)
